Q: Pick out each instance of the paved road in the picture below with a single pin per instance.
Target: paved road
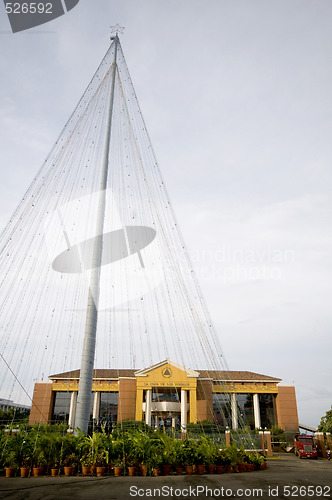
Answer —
(286, 477)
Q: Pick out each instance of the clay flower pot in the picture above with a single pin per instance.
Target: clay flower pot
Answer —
(131, 470)
(118, 471)
(211, 469)
(10, 471)
(189, 469)
(219, 469)
(55, 472)
(200, 469)
(242, 467)
(25, 471)
(143, 470)
(86, 470)
(69, 471)
(37, 471)
(166, 470)
(100, 471)
(179, 470)
(156, 471)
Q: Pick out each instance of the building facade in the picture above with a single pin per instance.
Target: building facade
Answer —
(7, 404)
(170, 395)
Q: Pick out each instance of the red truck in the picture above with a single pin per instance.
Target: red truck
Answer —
(304, 446)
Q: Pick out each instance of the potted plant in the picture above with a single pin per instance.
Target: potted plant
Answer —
(178, 457)
(201, 453)
(242, 457)
(188, 456)
(155, 463)
(70, 462)
(86, 462)
(220, 461)
(25, 466)
(11, 464)
(232, 457)
(101, 462)
(118, 465)
(131, 463)
(39, 464)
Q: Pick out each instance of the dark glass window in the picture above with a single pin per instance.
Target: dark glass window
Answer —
(61, 406)
(267, 410)
(108, 413)
(222, 412)
(171, 395)
(246, 409)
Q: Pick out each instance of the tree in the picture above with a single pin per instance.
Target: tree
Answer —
(326, 422)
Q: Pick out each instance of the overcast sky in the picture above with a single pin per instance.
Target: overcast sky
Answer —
(237, 100)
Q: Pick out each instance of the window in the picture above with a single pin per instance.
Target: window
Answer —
(222, 412)
(267, 410)
(245, 407)
(61, 406)
(171, 395)
(108, 413)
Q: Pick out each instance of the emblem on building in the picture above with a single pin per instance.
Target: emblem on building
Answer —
(167, 372)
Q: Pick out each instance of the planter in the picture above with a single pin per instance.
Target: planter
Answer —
(166, 470)
(10, 471)
(156, 472)
(143, 470)
(55, 472)
(25, 471)
(263, 466)
(100, 471)
(69, 471)
(235, 468)
(189, 469)
(211, 469)
(242, 467)
(118, 471)
(219, 469)
(86, 470)
(37, 471)
(228, 468)
(131, 470)
(200, 469)
(179, 470)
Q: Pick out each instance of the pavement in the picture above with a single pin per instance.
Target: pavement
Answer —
(286, 477)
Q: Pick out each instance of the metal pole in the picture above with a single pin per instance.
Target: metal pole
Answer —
(89, 346)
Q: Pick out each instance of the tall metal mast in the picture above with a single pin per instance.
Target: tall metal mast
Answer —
(88, 354)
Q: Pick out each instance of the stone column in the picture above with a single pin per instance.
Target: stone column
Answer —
(267, 439)
(183, 412)
(261, 438)
(72, 409)
(228, 437)
(234, 411)
(329, 440)
(139, 405)
(148, 404)
(96, 406)
(193, 406)
(320, 443)
(257, 412)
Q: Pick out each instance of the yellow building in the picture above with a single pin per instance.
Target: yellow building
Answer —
(170, 395)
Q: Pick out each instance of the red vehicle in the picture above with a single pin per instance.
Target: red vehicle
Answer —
(304, 446)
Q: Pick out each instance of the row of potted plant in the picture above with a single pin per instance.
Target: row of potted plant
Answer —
(41, 450)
